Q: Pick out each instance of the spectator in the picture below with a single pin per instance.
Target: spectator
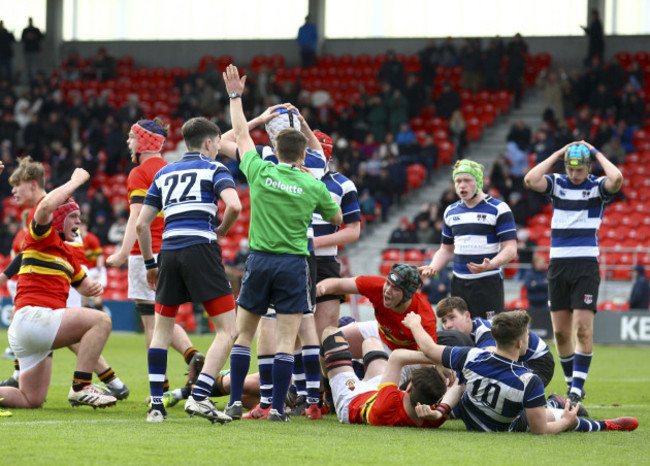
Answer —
(448, 101)
(536, 285)
(525, 251)
(594, 30)
(392, 72)
(458, 133)
(448, 54)
(625, 134)
(104, 65)
(519, 208)
(116, 232)
(424, 232)
(554, 87)
(429, 60)
(470, 59)
(131, 111)
(640, 296)
(520, 134)
(437, 287)
(615, 152)
(601, 101)
(307, 42)
(403, 234)
(516, 51)
(32, 37)
(492, 59)
(7, 40)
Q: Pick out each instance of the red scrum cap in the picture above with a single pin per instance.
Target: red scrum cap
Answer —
(326, 142)
(62, 212)
(151, 136)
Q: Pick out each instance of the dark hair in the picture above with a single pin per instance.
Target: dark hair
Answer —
(28, 170)
(447, 305)
(290, 145)
(508, 327)
(427, 386)
(196, 130)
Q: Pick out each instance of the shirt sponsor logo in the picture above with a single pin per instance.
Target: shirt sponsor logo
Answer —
(290, 188)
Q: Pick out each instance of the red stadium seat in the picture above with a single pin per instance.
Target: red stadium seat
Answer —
(392, 255)
(413, 256)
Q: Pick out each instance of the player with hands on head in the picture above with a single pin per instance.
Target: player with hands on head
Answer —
(579, 200)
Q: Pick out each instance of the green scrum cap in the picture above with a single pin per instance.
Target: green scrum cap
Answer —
(471, 168)
(407, 278)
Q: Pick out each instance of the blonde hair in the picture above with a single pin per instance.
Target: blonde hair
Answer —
(28, 170)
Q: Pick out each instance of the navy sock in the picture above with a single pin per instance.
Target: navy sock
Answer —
(282, 368)
(157, 358)
(299, 373)
(265, 365)
(202, 387)
(581, 362)
(567, 368)
(587, 425)
(240, 361)
(312, 372)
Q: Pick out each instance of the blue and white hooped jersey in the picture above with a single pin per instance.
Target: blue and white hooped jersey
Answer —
(497, 389)
(577, 215)
(476, 233)
(188, 191)
(344, 193)
(482, 336)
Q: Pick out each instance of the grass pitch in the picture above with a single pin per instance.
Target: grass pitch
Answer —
(58, 434)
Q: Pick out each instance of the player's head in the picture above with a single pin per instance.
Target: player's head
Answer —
(402, 282)
(284, 119)
(468, 178)
(28, 181)
(454, 314)
(147, 136)
(510, 329)
(290, 146)
(66, 220)
(427, 387)
(577, 162)
(202, 135)
(326, 142)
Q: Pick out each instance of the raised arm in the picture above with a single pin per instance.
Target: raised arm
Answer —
(235, 85)
(614, 176)
(534, 179)
(55, 198)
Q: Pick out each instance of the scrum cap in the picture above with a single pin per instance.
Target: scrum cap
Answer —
(407, 278)
(471, 168)
(62, 212)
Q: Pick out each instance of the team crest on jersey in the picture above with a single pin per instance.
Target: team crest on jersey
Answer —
(585, 194)
(481, 217)
(351, 384)
(562, 192)
(589, 299)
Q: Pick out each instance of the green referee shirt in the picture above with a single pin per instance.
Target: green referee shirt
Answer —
(283, 199)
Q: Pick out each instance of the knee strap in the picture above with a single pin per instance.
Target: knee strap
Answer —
(372, 355)
(336, 351)
(145, 309)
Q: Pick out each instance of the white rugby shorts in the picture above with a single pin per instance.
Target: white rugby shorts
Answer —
(138, 287)
(32, 333)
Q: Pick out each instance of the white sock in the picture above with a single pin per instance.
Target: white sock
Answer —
(115, 383)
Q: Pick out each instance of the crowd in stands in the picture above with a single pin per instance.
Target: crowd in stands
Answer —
(393, 118)
(80, 114)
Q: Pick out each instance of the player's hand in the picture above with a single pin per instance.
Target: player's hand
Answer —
(426, 412)
(80, 176)
(116, 260)
(152, 278)
(427, 271)
(482, 267)
(320, 290)
(233, 82)
(94, 289)
(304, 169)
(570, 414)
(411, 320)
(447, 374)
(270, 113)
